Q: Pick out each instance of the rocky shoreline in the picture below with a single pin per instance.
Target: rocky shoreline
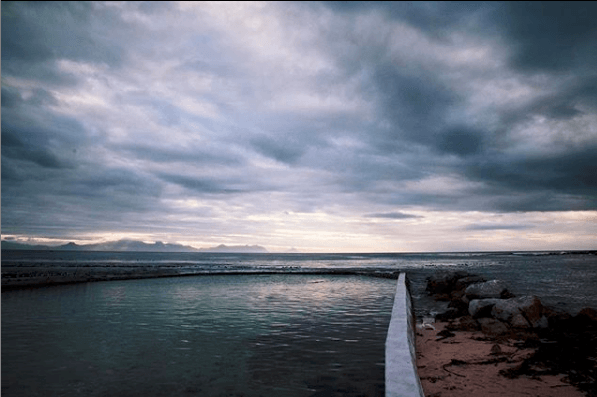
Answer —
(558, 343)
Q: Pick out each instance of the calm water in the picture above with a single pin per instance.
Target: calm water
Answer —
(270, 335)
(287, 334)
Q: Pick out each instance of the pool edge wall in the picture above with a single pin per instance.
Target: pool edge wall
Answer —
(401, 370)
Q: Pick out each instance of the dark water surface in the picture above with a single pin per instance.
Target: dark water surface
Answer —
(233, 330)
(250, 335)
(567, 280)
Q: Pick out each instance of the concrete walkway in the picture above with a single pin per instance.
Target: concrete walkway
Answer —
(401, 370)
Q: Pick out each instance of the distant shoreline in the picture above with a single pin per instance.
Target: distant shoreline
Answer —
(133, 246)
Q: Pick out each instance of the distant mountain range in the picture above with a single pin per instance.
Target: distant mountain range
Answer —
(132, 245)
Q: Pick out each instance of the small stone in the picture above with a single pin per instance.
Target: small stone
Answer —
(445, 334)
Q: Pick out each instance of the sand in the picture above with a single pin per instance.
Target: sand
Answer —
(462, 366)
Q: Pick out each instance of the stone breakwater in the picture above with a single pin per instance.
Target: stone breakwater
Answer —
(401, 375)
(41, 276)
(563, 343)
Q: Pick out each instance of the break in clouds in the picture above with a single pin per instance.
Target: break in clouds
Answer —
(226, 122)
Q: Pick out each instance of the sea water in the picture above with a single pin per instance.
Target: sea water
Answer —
(253, 335)
(228, 328)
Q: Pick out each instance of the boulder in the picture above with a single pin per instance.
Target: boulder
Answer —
(588, 314)
(464, 282)
(460, 305)
(518, 321)
(441, 284)
(543, 323)
(488, 289)
(458, 296)
(557, 319)
(448, 314)
(481, 307)
(529, 307)
(492, 327)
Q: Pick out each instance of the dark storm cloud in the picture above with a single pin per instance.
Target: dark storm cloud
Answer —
(416, 105)
(111, 111)
(42, 158)
(284, 151)
(551, 36)
(289, 138)
(37, 34)
(116, 182)
(461, 141)
(393, 215)
(216, 156)
(544, 36)
(10, 97)
(496, 226)
(30, 133)
(202, 185)
(547, 38)
(570, 173)
(564, 104)
(34, 145)
(431, 17)
(65, 203)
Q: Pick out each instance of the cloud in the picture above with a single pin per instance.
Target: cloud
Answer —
(35, 36)
(119, 113)
(393, 215)
(285, 150)
(551, 36)
(200, 185)
(496, 226)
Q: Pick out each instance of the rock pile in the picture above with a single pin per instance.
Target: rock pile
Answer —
(564, 344)
(485, 301)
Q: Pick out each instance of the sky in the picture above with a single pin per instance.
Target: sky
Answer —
(324, 127)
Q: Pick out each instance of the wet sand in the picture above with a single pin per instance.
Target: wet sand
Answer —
(465, 365)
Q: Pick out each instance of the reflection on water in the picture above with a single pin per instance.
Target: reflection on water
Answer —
(283, 335)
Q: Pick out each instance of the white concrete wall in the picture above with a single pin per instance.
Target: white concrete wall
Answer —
(401, 368)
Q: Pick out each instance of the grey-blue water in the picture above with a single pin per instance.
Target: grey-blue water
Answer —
(246, 334)
(269, 335)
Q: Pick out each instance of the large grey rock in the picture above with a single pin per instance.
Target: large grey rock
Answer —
(464, 282)
(441, 284)
(543, 323)
(489, 289)
(529, 307)
(518, 321)
(588, 314)
(481, 307)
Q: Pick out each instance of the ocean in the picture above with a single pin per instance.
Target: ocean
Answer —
(235, 324)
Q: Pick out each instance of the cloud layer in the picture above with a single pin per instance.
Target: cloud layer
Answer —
(316, 125)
